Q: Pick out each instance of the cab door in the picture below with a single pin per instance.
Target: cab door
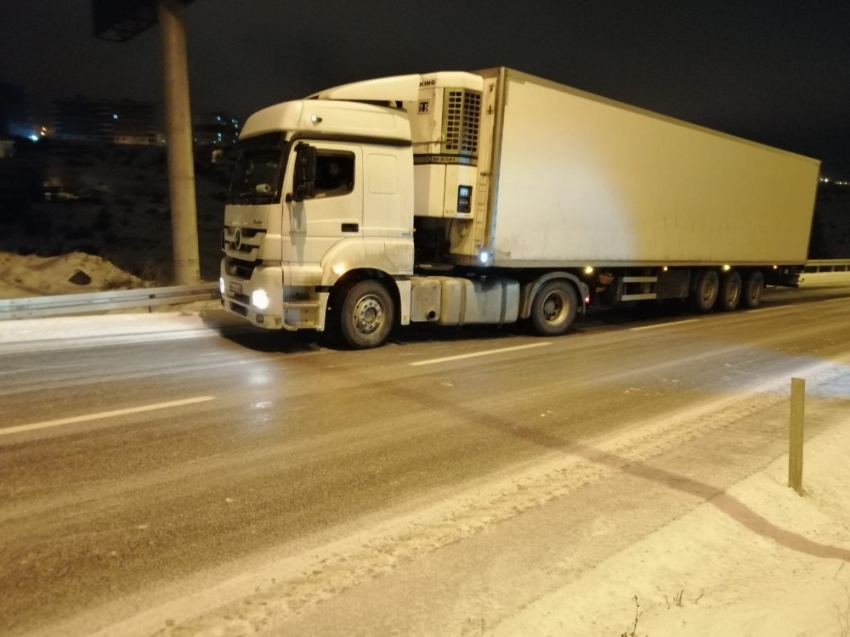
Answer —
(333, 211)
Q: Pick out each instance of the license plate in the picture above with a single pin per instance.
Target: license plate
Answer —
(236, 288)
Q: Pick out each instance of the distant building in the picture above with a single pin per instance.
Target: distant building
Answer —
(15, 114)
(131, 122)
(79, 120)
(214, 129)
(106, 122)
(7, 148)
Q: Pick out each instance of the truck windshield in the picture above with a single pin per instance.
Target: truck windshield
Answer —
(258, 172)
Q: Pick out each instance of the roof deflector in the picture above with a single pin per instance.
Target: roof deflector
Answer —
(403, 88)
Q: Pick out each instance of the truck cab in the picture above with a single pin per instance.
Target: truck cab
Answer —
(338, 199)
(322, 194)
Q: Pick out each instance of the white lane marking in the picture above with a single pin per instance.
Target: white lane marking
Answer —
(652, 327)
(24, 370)
(103, 414)
(475, 354)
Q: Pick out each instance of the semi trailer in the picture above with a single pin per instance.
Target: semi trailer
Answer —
(493, 197)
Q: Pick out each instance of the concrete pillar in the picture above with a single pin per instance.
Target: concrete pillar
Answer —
(178, 133)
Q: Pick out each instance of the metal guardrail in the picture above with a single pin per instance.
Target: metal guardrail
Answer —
(827, 265)
(41, 306)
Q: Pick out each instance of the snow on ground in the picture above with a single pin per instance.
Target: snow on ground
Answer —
(706, 574)
(24, 276)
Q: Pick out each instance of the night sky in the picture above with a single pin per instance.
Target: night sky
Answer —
(777, 71)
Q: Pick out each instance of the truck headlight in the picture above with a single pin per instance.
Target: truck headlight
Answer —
(221, 284)
(260, 299)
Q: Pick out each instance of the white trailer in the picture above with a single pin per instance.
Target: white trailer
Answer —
(493, 197)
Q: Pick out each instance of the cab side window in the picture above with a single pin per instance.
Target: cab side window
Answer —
(334, 173)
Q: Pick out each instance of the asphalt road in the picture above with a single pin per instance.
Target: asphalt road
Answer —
(166, 475)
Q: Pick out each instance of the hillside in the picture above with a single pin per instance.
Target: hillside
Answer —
(107, 201)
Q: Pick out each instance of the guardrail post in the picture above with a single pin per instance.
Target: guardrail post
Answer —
(795, 454)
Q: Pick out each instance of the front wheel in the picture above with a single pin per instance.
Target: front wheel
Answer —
(367, 315)
(554, 308)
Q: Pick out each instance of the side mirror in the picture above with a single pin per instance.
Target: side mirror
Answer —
(305, 173)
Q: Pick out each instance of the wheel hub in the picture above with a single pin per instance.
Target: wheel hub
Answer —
(368, 315)
(553, 307)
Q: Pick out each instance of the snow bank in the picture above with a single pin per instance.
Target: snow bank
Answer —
(707, 575)
(23, 276)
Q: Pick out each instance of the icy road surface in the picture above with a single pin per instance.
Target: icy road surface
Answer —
(162, 478)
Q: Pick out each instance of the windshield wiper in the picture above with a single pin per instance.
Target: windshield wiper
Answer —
(250, 197)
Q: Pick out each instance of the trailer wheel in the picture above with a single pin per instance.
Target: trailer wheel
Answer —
(367, 315)
(753, 286)
(705, 291)
(554, 308)
(730, 291)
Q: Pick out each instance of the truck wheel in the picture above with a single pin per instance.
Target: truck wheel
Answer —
(367, 315)
(704, 293)
(730, 291)
(554, 308)
(753, 286)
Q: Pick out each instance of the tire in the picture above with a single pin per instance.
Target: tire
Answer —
(730, 291)
(752, 289)
(367, 315)
(704, 294)
(554, 308)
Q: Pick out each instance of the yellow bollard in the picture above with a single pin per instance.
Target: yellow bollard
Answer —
(795, 454)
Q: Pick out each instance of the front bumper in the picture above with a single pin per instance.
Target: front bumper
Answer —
(236, 296)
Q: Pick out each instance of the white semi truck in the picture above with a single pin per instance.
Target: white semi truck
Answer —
(493, 197)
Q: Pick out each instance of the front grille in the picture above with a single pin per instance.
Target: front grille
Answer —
(240, 269)
(245, 241)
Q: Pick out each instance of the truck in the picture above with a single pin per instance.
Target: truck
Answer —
(493, 197)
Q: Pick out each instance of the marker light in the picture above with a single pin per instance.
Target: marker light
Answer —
(726, 268)
(588, 269)
(339, 269)
(483, 257)
(260, 299)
